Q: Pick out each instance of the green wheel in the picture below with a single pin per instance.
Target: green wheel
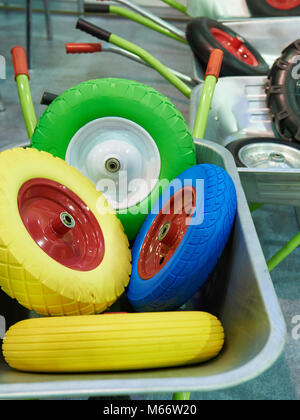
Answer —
(126, 137)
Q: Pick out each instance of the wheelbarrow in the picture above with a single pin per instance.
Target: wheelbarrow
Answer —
(249, 350)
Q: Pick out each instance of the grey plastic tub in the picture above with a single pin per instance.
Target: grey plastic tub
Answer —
(218, 9)
(240, 292)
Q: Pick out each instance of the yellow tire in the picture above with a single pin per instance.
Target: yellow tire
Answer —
(113, 342)
(27, 273)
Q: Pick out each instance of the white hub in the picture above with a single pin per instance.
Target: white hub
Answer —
(119, 157)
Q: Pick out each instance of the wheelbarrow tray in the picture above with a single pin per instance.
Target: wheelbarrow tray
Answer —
(255, 29)
(239, 109)
(218, 9)
(240, 292)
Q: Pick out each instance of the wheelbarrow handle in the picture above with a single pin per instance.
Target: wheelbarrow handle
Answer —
(211, 79)
(214, 64)
(22, 79)
(93, 30)
(147, 14)
(19, 60)
(83, 48)
(104, 35)
(96, 8)
(135, 17)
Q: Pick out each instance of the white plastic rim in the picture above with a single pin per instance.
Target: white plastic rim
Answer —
(119, 157)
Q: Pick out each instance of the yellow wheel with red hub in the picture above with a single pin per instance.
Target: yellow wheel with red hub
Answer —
(59, 239)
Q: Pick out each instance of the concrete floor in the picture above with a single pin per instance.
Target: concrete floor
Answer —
(55, 72)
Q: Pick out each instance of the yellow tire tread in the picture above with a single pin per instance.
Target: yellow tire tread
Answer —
(113, 342)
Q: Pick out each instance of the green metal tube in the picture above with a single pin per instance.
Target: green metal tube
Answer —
(204, 107)
(284, 252)
(176, 5)
(153, 62)
(144, 21)
(26, 103)
(181, 396)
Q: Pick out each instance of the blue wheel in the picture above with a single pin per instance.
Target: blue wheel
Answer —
(182, 239)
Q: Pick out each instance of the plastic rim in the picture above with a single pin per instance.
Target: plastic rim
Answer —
(235, 45)
(61, 224)
(166, 232)
(283, 4)
(269, 155)
(119, 157)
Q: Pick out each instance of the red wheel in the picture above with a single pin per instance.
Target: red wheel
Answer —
(167, 232)
(240, 57)
(61, 224)
(283, 4)
(235, 45)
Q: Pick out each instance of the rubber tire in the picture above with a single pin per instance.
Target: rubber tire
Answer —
(259, 8)
(199, 251)
(113, 342)
(235, 146)
(203, 42)
(122, 98)
(27, 273)
(282, 103)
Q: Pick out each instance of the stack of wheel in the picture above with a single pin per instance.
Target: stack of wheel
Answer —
(283, 93)
(63, 249)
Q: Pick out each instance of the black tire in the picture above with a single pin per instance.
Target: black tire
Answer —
(235, 146)
(283, 92)
(202, 42)
(259, 8)
(48, 98)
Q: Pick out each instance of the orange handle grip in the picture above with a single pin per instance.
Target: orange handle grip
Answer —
(19, 60)
(83, 48)
(215, 63)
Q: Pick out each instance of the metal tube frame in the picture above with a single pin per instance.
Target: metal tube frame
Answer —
(29, 27)
(153, 17)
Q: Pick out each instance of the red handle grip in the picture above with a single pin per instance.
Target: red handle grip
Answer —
(215, 63)
(19, 60)
(83, 48)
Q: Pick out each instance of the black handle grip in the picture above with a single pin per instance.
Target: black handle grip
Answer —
(93, 30)
(96, 8)
(47, 98)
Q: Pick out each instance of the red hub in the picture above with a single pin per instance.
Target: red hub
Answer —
(283, 4)
(166, 232)
(61, 224)
(235, 46)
